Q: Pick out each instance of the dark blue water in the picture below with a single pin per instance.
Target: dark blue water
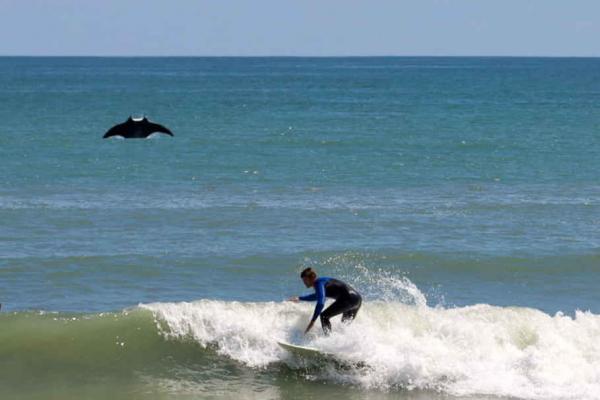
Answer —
(474, 179)
(486, 167)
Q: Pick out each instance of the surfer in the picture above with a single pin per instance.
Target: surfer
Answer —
(347, 300)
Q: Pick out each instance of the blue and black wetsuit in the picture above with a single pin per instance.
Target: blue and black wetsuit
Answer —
(347, 301)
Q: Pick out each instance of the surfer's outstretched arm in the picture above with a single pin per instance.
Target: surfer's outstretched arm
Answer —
(319, 296)
(308, 297)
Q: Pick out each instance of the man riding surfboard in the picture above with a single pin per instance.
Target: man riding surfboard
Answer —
(347, 300)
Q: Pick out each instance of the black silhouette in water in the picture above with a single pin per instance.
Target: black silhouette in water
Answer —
(136, 129)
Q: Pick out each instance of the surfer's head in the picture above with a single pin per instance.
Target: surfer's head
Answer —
(309, 276)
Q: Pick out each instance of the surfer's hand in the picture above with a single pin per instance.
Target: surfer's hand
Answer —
(295, 299)
(310, 325)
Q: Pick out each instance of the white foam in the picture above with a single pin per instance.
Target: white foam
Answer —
(479, 349)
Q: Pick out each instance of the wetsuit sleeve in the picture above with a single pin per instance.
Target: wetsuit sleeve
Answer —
(309, 297)
(320, 297)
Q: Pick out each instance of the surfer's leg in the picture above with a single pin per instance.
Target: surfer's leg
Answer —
(349, 315)
(336, 308)
(340, 306)
(325, 324)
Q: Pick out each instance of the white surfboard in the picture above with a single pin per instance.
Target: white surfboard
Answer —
(316, 355)
(303, 351)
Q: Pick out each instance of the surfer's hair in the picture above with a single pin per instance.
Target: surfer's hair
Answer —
(308, 272)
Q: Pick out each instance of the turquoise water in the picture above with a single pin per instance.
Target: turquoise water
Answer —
(452, 192)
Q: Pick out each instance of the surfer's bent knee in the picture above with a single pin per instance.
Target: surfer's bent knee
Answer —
(325, 324)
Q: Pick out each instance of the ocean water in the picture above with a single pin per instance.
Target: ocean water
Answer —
(461, 196)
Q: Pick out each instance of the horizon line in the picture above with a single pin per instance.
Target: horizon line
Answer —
(290, 56)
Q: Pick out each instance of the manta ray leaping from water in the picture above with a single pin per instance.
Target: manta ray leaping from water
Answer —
(136, 128)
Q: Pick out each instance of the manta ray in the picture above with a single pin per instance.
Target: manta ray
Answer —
(136, 128)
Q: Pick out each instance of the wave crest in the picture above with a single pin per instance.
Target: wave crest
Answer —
(480, 349)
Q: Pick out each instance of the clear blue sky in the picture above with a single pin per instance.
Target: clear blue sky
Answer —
(303, 27)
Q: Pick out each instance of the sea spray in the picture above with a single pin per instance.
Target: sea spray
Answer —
(370, 275)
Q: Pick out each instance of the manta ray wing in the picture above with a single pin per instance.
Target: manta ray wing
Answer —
(118, 130)
(151, 127)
